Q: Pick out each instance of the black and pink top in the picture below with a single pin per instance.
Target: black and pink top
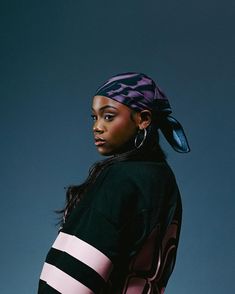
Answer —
(121, 238)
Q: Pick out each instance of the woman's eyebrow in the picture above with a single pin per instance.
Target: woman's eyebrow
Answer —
(104, 107)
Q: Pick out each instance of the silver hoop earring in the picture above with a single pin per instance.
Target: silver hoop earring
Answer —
(144, 138)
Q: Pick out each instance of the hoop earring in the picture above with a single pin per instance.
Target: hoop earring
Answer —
(143, 140)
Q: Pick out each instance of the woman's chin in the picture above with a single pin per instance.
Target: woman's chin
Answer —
(104, 151)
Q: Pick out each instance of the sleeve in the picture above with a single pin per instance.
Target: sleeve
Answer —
(82, 259)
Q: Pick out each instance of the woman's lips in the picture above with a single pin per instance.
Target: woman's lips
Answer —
(99, 141)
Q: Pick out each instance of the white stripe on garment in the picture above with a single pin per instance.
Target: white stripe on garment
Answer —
(61, 281)
(84, 252)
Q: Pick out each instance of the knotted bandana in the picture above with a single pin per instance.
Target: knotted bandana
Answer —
(139, 92)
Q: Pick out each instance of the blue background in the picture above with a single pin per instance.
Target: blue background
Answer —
(54, 54)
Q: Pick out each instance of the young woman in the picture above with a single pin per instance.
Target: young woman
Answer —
(121, 227)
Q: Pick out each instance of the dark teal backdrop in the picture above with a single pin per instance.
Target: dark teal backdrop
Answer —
(54, 54)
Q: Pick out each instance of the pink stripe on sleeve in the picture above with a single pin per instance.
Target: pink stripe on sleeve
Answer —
(84, 252)
(61, 281)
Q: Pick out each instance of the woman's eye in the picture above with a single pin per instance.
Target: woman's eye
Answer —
(108, 117)
(93, 117)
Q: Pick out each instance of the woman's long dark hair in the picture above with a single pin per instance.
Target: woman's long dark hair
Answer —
(150, 150)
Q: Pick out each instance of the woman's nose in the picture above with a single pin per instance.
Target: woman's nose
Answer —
(98, 128)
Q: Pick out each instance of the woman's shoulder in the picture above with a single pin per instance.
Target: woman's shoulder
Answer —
(127, 186)
(127, 176)
(138, 169)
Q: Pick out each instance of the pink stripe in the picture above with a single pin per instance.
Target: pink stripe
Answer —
(84, 252)
(61, 281)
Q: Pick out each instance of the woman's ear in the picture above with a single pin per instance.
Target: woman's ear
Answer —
(144, 119)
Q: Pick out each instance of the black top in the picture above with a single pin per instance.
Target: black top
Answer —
(122, 236)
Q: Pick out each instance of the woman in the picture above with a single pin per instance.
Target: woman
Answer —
(120, 229)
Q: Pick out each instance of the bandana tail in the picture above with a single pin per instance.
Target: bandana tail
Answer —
(174, 134)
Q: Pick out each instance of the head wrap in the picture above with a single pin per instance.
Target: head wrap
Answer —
(139, 92)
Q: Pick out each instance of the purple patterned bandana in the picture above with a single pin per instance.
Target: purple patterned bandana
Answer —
(139, 92)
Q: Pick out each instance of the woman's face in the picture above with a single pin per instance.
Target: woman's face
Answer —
(115, 126)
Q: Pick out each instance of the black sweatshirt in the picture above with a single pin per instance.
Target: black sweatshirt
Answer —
(122, 237)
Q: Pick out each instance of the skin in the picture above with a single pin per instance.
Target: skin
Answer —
(116, 125)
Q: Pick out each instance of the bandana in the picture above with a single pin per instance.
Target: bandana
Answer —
(139, 92)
